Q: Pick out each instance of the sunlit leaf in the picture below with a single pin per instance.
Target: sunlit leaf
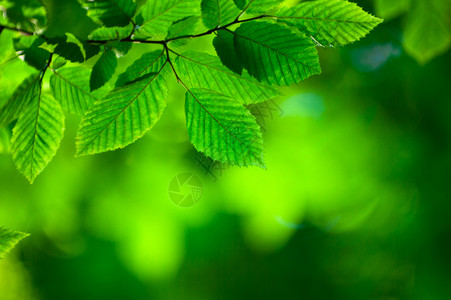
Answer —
(330, 22)
(201, 70)
(216, 13)
(223, 129)
(123, 116)
(156, 16)
(23, 94)
(275, 54)
(37, 135)
(70, 86)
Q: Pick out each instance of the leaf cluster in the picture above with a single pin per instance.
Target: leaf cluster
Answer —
(260, 45)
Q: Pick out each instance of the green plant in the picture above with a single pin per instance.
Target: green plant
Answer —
(8, 239)
(261, 44)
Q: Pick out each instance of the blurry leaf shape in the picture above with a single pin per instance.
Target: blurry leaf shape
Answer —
(33, 55)
(110, 13)
(427, 32)
(9, 239)
(120, 48)
(216, 13)
(389, 9)
(148, 63)
(5, 143)
(202, 70)
(111, 33)
(23, 94)
(70, 86)
(330, 22)
(223, 129)
(225, 48)
(70, 51)
(156, 16)
(123, 116)
(275, 54)
(257, 6)
(183, 27)
(103, 69)
(27, 15)
(57, 62)
(37, 135)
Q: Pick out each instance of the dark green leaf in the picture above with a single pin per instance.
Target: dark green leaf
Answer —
(103, 70)
(29, 47)
(225, 48)
(110, 13)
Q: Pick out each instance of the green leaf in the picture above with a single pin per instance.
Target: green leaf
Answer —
(111, 33)
(257, 6)
(37, 135)
(5, 141)
(330, 22)
(217, 13)
(123, 116)
(223, 129)
(148, 63)
(201, 70)
(225, 48)
(21, 97)
(156, 16)
(110, 13)
(33, 55)
(275, 54)
(28, 15)
(389, 9)
(69, 51)
(103, 69)
(181, 28)
(70, 86)
(9, 239)
(427, 33)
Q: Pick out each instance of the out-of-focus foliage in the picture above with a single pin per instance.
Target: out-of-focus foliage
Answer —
(427, 29)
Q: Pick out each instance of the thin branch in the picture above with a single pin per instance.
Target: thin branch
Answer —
(163, 42)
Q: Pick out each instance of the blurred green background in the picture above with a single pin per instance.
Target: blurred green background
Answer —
(355, 203)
